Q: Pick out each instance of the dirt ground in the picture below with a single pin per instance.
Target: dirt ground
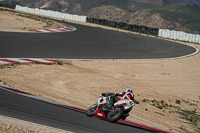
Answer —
(167, 91)
(18, 22)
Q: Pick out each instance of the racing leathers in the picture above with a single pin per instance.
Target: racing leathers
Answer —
(126, 95)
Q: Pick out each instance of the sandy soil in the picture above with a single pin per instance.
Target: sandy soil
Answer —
(167, 90)
(18, 22)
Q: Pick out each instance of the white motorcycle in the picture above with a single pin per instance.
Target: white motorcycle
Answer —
(120, 110)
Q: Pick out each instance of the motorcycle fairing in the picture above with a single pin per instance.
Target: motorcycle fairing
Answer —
(100, 114)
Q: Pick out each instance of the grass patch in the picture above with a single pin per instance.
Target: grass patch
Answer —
(191, 116)
(10, 65)
(178, 102)
(158, 104)
(43, 63)
(2, 82)
(189, 103)
(68, 62)
(136, 102)
(183, 129)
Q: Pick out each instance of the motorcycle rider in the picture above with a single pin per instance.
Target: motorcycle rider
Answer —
(127, 94)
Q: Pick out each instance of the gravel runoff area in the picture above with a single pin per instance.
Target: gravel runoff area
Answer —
(167, 91)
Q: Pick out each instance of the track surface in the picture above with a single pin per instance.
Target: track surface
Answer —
(25, 108)
(88, 43)
(85, 43)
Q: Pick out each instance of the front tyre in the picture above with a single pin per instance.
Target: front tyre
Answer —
(115, 115)
(91, 110)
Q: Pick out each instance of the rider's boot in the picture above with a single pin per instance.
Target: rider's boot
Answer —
(124, 116)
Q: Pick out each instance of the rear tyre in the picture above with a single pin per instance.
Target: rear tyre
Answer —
(115, 115)
(124, 116)
(91, 110)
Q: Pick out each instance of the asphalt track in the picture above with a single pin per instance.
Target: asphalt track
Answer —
(29, 109)
(88, 43)
(85, 43)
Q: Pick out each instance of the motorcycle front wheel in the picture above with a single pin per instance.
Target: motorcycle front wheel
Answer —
(115, 115)
(91, 110)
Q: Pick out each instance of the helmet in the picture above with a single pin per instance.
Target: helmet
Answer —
(128, 90)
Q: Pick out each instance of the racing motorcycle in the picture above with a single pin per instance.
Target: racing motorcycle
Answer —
(119, 110)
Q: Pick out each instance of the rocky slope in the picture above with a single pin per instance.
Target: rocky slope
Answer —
(197, 2)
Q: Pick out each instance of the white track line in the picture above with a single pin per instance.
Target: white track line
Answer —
(173, 58)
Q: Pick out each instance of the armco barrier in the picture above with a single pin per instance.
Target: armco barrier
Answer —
(179, 35)
(165, 33)
(12, 6)
(51, 13)
(125, 26)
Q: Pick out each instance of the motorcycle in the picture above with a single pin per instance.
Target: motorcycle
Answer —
(119, 110)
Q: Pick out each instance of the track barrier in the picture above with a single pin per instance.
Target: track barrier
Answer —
(179, 35)
(125, 26)
(164, 33)
(12, 6)
(51, 13)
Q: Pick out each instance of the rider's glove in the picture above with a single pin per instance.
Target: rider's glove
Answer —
(108, 94)
(103, 94)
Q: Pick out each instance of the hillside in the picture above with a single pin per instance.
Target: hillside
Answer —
(183, 15)
(153, 13)
(197, 2)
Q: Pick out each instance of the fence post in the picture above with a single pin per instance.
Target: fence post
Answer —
(193, 38)
(181, 36)
(175, 34)
(186, 38)
(198, 39)
(160, 32)
(66, 16)
(164, 33)
(190, 37)
(167, 33)
(18, 8)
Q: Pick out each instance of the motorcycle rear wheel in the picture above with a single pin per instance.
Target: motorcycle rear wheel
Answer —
(116, 115)
(91, 110)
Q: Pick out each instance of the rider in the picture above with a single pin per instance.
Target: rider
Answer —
(127, 94)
